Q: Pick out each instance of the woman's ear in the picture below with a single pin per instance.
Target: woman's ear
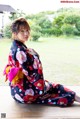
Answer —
(14, 35)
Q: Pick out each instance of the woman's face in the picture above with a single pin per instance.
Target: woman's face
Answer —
(23, 34)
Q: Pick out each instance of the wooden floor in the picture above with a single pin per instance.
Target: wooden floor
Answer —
(10, 109)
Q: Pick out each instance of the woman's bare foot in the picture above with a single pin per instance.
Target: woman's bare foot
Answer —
(77, 98)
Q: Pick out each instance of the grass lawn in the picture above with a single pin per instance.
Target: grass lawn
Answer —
(60, 58)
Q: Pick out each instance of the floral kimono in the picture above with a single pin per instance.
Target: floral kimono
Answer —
(27, 84)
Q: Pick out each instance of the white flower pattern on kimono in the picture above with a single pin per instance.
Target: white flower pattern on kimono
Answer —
(36, 63)
(32, 88)
(21, 57)
(25, 72)
(19, 98)
(29, 92)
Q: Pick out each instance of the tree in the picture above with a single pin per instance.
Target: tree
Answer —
(58, 21)
(35, 32)
(19, 13)
(7, 31)
(71, 19)
(78, 25)
(67, 29)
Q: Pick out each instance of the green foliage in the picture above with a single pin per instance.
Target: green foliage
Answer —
(71, 19)
(64, 21)
(45, 25)
(58, 21)
(35, 32)
(39, 15)
(35, 35)
(78, 25)
(67, 29)
(19, 13)
(57, 24)
(44, 22)
(7, 31)
(76, 32)
(56, 31)
(73, 24)
(67, 21)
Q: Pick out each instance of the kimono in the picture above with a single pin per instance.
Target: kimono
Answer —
(25, 74)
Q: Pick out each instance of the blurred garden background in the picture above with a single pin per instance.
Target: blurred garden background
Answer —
(55, 35)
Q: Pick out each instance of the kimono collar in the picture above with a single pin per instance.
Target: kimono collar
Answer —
(19, 43)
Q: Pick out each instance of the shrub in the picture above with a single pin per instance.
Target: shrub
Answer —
(7, 31)
(78, 25)
(35, 35)
(67, 29)
(56, 31)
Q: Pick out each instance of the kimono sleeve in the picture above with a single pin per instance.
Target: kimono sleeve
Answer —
(38, 82)
(21, 57)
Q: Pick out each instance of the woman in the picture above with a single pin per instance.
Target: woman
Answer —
(25, 75)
